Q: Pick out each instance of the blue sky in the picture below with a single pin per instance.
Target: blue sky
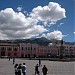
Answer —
(31, 19)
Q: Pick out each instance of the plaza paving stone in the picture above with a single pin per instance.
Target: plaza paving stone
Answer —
(54, 67)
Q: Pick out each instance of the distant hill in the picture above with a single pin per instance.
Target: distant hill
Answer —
(40, 41)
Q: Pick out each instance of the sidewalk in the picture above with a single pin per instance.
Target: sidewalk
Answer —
(54, 67)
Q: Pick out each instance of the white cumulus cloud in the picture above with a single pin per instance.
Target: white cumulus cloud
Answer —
(50, 13)
(15, 25)
(55, 35)
(19, 8)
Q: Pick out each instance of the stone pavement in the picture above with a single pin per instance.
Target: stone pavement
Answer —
(54, 67)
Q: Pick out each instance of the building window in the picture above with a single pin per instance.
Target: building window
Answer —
(15, 49)
(9, 49)
(28, 48)
(71, 47)
(22, 48)
(31, 48)
(34, 48)
(3, 48)
(22, 55)
(58, 52)
(2, 53)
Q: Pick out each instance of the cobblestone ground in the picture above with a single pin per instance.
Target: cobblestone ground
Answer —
(54, 67)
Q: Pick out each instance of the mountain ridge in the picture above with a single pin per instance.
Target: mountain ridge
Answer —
(40, 41)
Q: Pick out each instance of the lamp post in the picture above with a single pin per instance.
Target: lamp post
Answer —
(61, 50)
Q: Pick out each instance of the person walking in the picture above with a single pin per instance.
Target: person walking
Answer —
(13, 60)
(40, 62)
(44, 70)
(36, 69)
(24, 69)
(16, 69)
(19, 69)
(9, 58)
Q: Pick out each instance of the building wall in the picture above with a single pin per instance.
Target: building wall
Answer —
(11, 50)
(69, 50)
(28, 50)
(34, 50)
(45, 50)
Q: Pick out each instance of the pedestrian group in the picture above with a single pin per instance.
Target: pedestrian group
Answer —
(22, 68)
(44, 70)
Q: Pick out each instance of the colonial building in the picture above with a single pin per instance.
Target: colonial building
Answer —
(7, 49)
(48, 51)
(28, 50)
(33, 50)
(69, 50)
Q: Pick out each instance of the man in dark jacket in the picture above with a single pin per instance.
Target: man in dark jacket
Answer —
(19, 69)
(36, 69)
(16, 70)
(44, 70)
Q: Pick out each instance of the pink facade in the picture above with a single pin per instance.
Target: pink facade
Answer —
(9, 50)
(34, 50)
(46, 50)
(69, 50)
(28, 50)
